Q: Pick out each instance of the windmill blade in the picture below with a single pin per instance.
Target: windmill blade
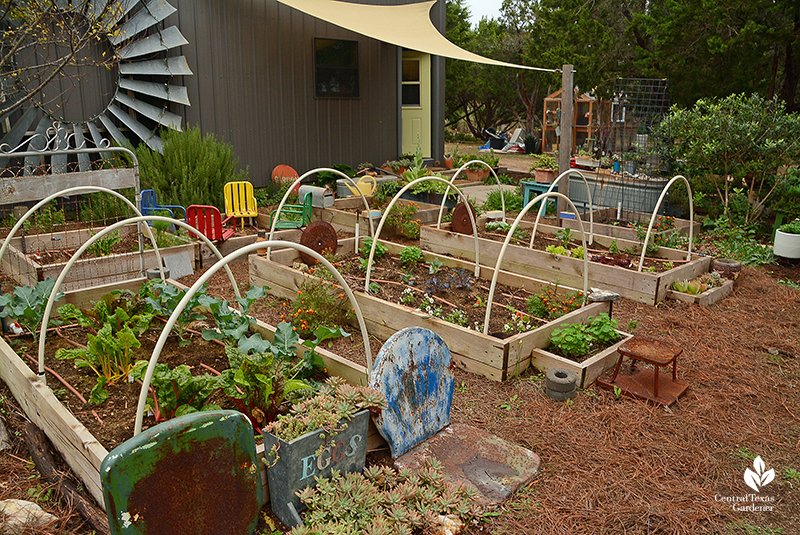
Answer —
(152, 140)
(84, 163)
(37, 142)
(58, 162)
(153, 13)
(98, 139)
(115, 13)
(159, 115)
(114, 131)
(159, 42)
(175, 66)
(173, 93)
(15, 135)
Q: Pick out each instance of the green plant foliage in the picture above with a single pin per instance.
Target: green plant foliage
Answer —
(335, 401)
(411, 256)
(26, 305)
(104, 207)
(502, 178)
(380, 249)
(382, 501)
(163, 298)
(192, 169)
(793, 227)
(176, 392)
(544, 161)
(514, 200)
(549, 304)
(402, 220)
(725, 240)
(739, 141)
(103, 246)
(259, 382)
(578, 339)
(317, 304)
(386, 191)
(232, 325)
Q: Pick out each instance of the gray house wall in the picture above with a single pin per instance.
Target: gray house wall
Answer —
(253, 86)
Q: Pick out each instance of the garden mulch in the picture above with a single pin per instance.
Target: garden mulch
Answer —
(616, 465)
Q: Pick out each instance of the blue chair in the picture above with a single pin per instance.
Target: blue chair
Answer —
(150, 205)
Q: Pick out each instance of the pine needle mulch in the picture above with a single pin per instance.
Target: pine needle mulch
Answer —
(615, 465)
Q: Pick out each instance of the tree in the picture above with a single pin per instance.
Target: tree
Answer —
(47, 46)
(739, 144)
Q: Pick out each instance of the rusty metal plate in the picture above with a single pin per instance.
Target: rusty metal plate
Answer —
(494, 467)
(196, 474)
(319, 236)
(413, 370)
(461, 222)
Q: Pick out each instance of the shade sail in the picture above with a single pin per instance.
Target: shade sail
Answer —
(407, 26)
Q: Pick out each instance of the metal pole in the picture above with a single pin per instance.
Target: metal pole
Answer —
(565, 144)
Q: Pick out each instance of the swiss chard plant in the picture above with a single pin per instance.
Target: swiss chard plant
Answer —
(260, 379)
(26, 305)
(118, 308)
(176, 391)
(109, 355)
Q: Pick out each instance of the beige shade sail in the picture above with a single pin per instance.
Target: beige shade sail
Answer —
(408, 26)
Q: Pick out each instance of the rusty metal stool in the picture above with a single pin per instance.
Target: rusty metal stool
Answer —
(649, 383)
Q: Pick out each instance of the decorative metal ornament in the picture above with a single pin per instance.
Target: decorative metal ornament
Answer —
(461, 222)
(319, 236)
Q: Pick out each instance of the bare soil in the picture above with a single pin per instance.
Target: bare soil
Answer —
(616, 465)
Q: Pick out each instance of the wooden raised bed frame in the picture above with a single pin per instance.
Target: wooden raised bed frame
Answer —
(81, 451)
(497, 359)
(338, 216)
(627, 233)
(649, 288)
(709, 297)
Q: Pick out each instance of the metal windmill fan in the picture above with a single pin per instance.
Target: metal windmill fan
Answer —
(127, 95)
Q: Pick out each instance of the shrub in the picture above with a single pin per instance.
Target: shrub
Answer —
(192, 169)
(514, 201)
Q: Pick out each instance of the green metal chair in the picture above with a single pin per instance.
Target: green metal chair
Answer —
(293, 215)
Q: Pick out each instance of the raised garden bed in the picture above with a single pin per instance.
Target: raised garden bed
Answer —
(490, 356)
(26, 270)
(709, 297)
(604, 218)
(649, 288)
(342, 215)
(79, 448)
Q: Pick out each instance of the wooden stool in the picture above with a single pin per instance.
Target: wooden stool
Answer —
(658, 353)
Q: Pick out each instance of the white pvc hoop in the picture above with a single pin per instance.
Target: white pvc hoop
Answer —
(655, 212)
(69, 191)
(300, 179)
(550, 189)
(61, 276)
(389, 209)
(207, 275)
(491, 170)
(508, 240)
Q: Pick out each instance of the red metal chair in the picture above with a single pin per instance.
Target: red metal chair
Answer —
(208, 221)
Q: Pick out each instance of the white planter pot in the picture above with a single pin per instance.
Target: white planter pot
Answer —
(787, 245)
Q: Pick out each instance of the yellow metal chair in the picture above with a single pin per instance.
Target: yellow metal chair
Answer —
(240, 201)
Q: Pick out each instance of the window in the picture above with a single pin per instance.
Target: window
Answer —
(335, 68)
(411, 83)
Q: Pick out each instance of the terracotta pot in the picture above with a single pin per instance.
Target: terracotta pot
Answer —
(449, 162)
(544, 175)
(477, 176)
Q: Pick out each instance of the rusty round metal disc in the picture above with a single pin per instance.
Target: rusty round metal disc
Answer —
(461, 222)
(319, 236)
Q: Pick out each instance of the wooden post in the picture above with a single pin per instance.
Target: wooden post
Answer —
(565, 143)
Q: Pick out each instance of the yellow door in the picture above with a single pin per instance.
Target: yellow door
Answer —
(416, 98)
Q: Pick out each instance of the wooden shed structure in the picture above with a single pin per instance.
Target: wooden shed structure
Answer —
(307, 83)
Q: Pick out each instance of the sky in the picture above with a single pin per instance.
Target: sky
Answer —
(483, 8)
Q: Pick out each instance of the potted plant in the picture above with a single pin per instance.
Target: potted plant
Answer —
(544, 168)
(478, 172)
(787, 240)
(530, 143)
(323, 433)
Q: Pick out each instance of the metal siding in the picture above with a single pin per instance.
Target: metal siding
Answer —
(254, 87)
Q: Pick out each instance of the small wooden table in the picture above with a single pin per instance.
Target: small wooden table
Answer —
(659, 353)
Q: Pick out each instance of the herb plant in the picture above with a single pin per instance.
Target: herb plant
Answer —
(411, 256)
(549, 304)
(317, 304)
(578, 339)
(380, 249)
